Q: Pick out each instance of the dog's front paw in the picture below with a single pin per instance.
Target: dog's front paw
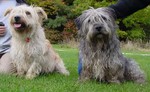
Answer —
(64, 72)
(83, 79)
(67, 73)
(20, 73)
(114, 82)
(30, 76)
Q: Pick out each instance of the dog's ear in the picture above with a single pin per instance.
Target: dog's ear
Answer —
(78, 22)
(41, 13)
(7, 11)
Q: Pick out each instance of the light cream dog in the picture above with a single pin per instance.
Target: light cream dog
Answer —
(31, 53)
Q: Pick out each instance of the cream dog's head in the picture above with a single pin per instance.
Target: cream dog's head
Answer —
(25, 18)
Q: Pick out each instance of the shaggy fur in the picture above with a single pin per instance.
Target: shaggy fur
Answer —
(30, 52)
(100, 49)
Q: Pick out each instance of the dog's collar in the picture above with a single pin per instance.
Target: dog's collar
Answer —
(27, 39)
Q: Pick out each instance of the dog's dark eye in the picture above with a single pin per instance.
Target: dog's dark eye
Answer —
(28, 13)
(89, 21)
(104, 18)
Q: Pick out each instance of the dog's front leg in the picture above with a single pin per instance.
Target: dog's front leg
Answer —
(20, 72)
(34, 70)
(19, 69)
(86, 74)
(61, 68)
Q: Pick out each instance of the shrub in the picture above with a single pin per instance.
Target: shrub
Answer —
(55, 23)
(70, 31)
(61, 15)
(136, 33)
(122, 35)
(53, 36)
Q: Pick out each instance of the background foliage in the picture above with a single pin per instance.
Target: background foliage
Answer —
(61, 14)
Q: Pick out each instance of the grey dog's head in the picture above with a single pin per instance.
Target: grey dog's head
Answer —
(96, 24)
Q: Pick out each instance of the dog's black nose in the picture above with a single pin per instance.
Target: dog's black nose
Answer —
(17, 18)
(98, 28)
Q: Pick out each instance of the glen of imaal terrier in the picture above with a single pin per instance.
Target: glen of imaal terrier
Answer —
(100, 54)
(31, 53)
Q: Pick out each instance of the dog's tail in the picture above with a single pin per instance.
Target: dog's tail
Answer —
(133, 72)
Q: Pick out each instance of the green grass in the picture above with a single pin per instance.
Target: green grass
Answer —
(59, 83)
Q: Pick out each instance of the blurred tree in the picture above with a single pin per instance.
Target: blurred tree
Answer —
(68, 2)
(56, 10)
(61, 14)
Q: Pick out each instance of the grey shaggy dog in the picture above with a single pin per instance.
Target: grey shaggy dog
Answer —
(100, 49)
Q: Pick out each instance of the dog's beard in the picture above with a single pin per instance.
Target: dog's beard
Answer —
(20, 27)
(94, 35)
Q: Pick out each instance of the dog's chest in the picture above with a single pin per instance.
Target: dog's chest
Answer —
(26, 52)
(97, 57)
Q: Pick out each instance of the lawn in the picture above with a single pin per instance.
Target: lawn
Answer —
(59, 83)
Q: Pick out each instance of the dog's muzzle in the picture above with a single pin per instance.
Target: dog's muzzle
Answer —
(98, 28)
(18, 23)
(99, 31)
